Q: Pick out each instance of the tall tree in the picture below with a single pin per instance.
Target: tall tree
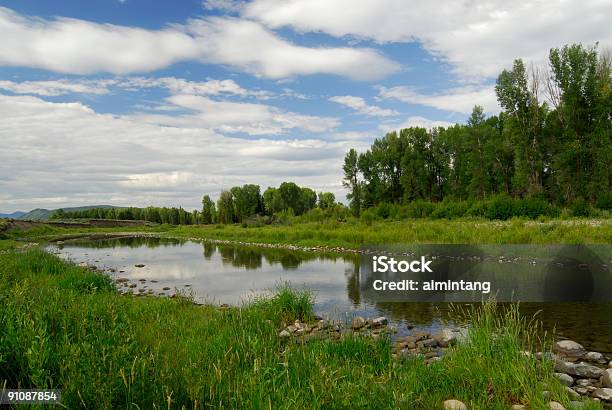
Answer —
(208, 210)
(351, 181)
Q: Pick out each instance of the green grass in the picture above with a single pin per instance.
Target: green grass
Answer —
(62, 326)
(353, 234)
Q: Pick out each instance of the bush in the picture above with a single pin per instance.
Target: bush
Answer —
(581, 209)
(368, 216)
(419, 209)
(604, 202)
(500, 207)
(477, 208)
(534, 207)
(450, 210)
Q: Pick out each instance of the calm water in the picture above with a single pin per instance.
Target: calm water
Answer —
(234, 274)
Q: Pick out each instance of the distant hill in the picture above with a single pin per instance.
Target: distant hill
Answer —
(40, 214)
(14, 215)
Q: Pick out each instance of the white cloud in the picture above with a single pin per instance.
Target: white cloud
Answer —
(420, 122)
(56, 87)
(62, 154)
(229, 116)
(359, 104)
(182, 86)
(461, 99)
(477, 38)
(250, 47)
(82, 47)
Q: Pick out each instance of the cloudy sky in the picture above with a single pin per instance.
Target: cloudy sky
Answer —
(156, 102)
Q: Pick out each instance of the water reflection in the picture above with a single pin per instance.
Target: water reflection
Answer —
(231, 274)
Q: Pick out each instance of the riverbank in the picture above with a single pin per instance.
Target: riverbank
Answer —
(351, 235)
(66, 327)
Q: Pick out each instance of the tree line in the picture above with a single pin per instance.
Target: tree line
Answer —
(235, 205)
(552, 142)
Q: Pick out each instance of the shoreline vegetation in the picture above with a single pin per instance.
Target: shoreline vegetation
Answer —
(65, 326)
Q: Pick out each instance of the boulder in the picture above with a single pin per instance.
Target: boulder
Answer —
(606, 378)
(595, 357)
(565, 379)
(379, 321)
(569, 349)
(578, 369)
(572, 393)
(554, 405)
(358, 323)
(453, 404)
(604, 394)
(445, 338)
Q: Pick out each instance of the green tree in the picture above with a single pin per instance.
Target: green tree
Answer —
(351, 181)
(208, 210)
(225, 208)
(327, 200)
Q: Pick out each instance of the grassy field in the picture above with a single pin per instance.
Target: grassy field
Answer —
(62, 326)
(352, 234)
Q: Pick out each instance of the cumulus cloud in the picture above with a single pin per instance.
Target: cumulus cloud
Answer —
(477, 38)
(61, 154)
(82, 47)
(460, 100)
(182, 86)
(251, 47)
(361, 106)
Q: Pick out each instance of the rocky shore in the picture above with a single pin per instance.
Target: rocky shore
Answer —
(585, 374)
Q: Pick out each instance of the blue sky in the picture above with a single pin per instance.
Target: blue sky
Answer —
(156, 102)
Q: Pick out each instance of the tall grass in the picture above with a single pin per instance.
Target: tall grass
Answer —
(65, 327)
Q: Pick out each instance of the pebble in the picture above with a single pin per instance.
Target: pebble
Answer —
(565, 379)
(553, 405)
(139, 265)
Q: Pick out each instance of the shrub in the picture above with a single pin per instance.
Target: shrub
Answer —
(580, 208)
(604, 202)
(500, 207)
(450, 210)
(419, 209)
(534, 207)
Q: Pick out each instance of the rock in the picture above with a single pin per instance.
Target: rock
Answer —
(379, 321)
(554, 405)
(595, 357)
(604, 394)
(139, 265)
(132, 285)
(284, 334)
(165, 288)
(445, 338)
(427, 343)
(610, 364)
(122, 280)
(584, 382)
(577, 404)
(581, 390)
(606, 378)
(420, 335)
(454, 405)
(142, 280)
(291, 328)
(578, 369)
(565, 379)
(518, 407)
(546, 394)
(545, 356)
(569, 349)
(572, 393)
(358, 323)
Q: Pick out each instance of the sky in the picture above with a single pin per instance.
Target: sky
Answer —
(157, 102)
